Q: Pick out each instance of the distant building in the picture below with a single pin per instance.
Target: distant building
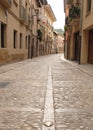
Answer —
(60, 47)
(49, 29)
(58, 43)
(55, 43)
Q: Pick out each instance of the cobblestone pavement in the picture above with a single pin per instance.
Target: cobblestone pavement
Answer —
(22, 92)
(73, 96)
(23, 88)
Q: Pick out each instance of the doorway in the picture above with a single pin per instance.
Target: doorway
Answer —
(32, 48)
(29, 47)
(90, 47)
(77, 46)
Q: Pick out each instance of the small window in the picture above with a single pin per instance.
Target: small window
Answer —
(2, 36)
(14, 39)
(21, 36)
(29, 9)
(26, 5)
(32, 19)
(26, 42)
(88, 5)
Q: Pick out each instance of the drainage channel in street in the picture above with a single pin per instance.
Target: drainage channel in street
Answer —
(48, 121)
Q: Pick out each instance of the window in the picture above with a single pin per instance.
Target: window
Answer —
(29, 10)
(15, 39)
(21, 36)
(26, 42)
(2, 36)
(26, 5)
(32, 19)
(10, 1)
(88, 5)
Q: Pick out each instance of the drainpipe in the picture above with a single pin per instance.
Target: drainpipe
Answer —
(31, 31)
(80, 35)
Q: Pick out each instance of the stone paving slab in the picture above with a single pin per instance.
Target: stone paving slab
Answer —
(20, 120)
(74, 120)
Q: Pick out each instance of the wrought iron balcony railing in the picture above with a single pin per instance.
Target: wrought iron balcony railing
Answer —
(74, 12)
(49, 39)
(41, 2)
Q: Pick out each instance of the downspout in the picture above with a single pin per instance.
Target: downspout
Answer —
(80, 35)
(31, 32)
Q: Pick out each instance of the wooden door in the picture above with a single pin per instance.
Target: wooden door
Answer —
(90, 47)
(77, 46)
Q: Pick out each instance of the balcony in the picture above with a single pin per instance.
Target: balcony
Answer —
(71, 2)
(74, 15)
(74, 12)
(23, 14)
(6, 3)
(49, 39)
(39, 35)
(41, 2)
(28, 20)
(44, 2)
(42, 18)
(67, 21)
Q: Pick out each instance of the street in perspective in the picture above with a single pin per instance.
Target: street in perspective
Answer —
(46, 64)
(23, 93)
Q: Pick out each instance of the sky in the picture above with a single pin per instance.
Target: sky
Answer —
(58, 9)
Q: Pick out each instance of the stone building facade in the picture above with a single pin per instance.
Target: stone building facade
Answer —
(55, 43)
(45, 20)
(87, 32)
(60, 47)
(79, 31)
(15, 30)
(72, 29)
(38, 29)
(19, 24)
(58, 43)
(50, 19)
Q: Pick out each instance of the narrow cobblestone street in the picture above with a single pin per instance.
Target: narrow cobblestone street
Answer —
(24, 95)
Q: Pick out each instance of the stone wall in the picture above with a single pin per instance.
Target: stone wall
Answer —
(6, 57)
